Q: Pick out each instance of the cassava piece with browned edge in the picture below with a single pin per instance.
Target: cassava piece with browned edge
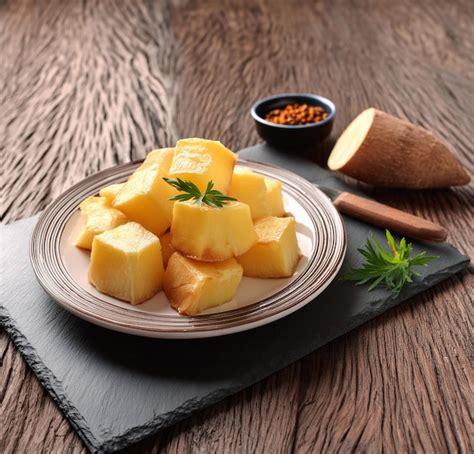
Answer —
(382, 150)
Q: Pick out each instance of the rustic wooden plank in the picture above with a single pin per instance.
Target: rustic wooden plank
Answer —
(83, 87)
(92, 87)
(392, 400)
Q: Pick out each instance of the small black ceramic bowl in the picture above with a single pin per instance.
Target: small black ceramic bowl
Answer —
(290, 136)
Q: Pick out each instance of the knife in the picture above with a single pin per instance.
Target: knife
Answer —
(384, 216)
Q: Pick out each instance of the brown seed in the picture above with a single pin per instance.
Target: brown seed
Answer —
(295, 113)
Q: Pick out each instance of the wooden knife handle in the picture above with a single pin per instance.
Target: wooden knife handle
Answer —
(389, 218)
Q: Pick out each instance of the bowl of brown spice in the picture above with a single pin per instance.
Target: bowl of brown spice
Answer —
(293, 120)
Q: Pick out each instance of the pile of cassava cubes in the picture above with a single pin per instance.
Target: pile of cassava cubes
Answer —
(188, 222)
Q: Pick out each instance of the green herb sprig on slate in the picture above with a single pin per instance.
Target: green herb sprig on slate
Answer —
(211, 197)
(391, 270)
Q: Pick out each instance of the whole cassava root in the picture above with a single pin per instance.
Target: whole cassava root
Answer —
(382, 150)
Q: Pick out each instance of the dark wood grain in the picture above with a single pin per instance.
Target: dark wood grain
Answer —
(84, 86)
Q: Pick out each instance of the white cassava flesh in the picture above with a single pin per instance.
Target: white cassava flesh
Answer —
(383, 150)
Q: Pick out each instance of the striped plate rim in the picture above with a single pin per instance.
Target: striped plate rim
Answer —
(323, 264)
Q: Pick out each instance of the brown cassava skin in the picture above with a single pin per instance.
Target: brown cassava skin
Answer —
(398, 154)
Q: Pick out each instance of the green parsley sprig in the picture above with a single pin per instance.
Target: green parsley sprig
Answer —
(391, 270)
(211, 197)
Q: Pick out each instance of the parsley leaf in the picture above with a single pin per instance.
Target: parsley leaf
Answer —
(390, 269)
(211, 197)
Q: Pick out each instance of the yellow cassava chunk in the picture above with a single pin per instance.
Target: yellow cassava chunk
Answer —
(212, 234)
(145, 199)
(110, 192)
(92, 202)
(276, 252)
(98, 216)
(193, 286)
(161, 157)
(248, 187)
(167, 248)
(126, 263)
(275, 198)
(201, 160)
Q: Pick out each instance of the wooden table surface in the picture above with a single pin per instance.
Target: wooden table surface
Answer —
(87, 85)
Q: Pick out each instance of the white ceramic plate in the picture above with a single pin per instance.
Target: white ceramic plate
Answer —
(61, 268)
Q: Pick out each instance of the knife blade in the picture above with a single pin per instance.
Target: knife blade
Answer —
(384, 216)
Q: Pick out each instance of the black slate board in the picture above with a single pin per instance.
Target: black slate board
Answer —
(116, 389)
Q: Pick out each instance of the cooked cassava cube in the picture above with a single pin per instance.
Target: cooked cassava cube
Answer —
(98, 216)
(92, 202)
(212, 234)
(110, 192)
(126, 263)
(275, 198)
(145, 199)
(167, 248)
(276, 252)
(161, 157)
(193, 286)
(248, 187)
(200, 160)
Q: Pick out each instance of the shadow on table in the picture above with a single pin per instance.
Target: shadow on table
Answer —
(222, 358)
